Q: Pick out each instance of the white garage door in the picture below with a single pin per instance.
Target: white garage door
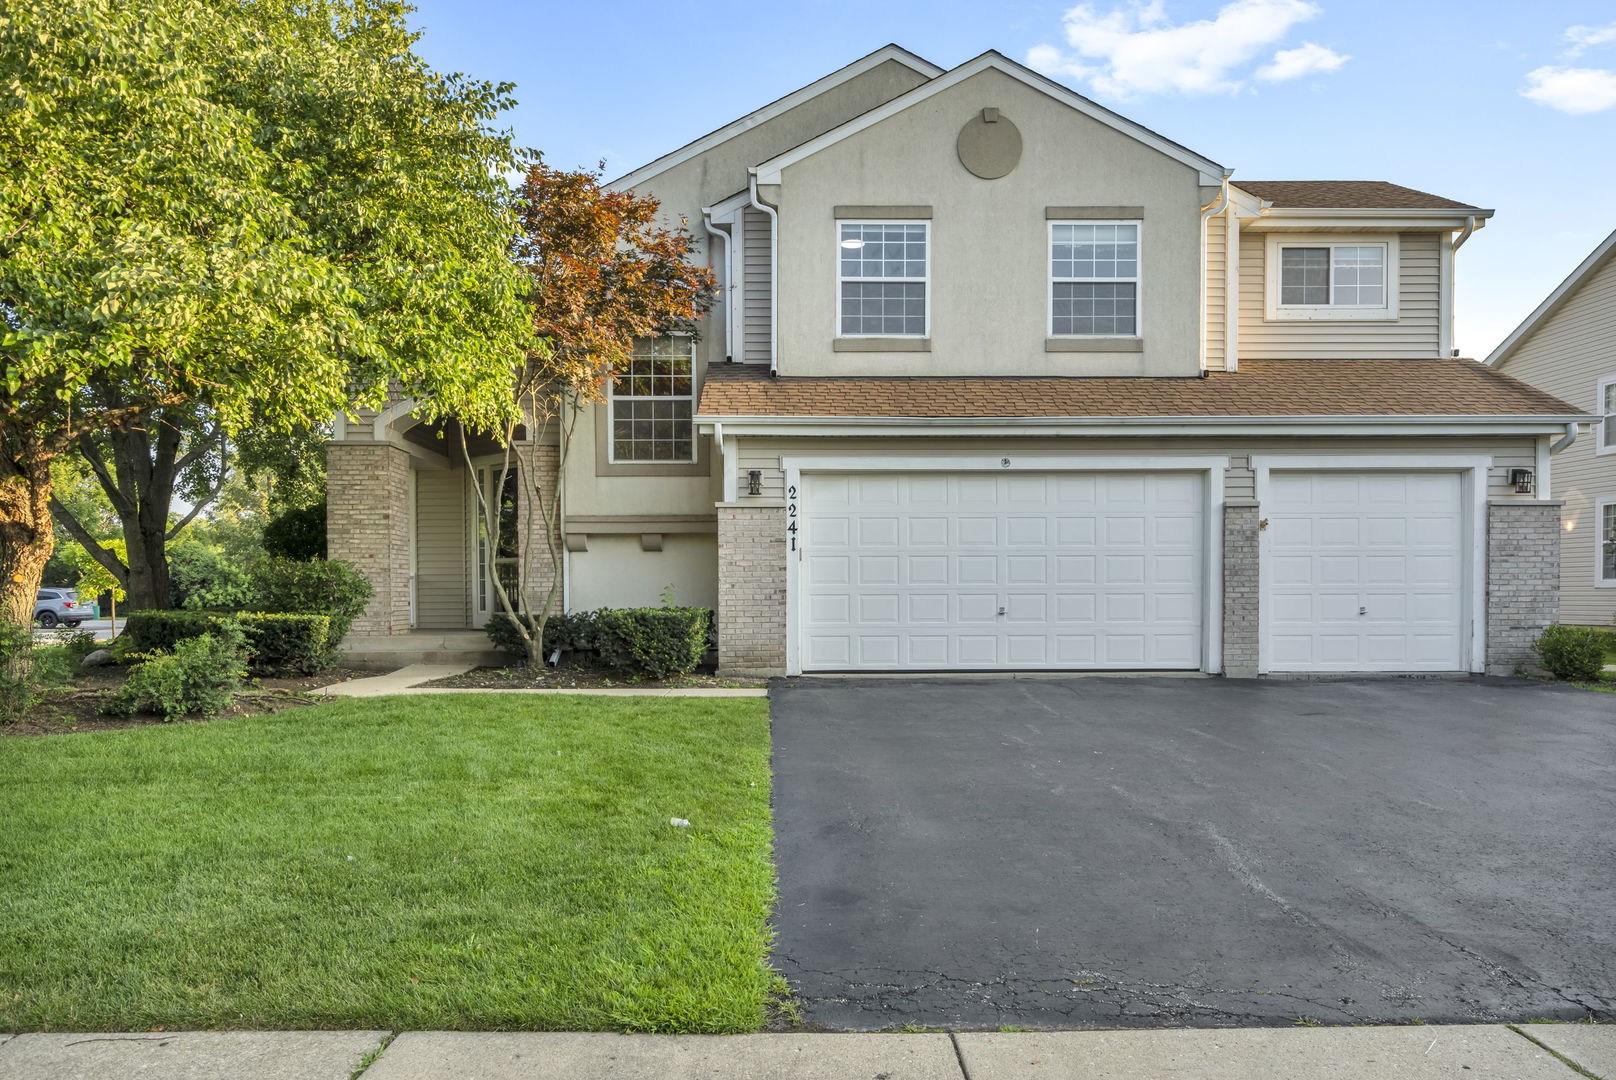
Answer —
(1364, 572)
(976, 571)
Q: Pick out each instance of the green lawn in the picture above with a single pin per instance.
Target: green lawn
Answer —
(427, 862)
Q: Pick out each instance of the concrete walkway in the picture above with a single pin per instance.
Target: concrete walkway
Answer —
(408, 680)
(1475, 1052)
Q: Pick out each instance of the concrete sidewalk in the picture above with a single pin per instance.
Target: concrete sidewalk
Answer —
(408, 680)
(1473, 1052)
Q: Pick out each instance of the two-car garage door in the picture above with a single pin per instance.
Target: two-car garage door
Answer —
(936, 571)
(1021, 571)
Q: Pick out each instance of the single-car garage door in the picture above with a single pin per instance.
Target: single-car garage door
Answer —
(1019, 571)
(1363, 572)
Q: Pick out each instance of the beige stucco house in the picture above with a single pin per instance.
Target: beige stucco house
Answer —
(1567, 346)
(1002, 380)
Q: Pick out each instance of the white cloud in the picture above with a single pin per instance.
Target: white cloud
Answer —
(1572, 90)
(1134, 48)
(1585, 37)
(1308, 59)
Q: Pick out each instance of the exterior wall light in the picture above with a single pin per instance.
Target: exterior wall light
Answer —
(754, 481)
(1522, 480)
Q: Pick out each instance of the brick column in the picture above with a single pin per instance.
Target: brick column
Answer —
(751, 590)
(1240, 524)
(367, 520)
(1523, 580)
(541, 467)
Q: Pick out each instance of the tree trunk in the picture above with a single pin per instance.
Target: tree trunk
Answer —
(147, 549)
(26, 534)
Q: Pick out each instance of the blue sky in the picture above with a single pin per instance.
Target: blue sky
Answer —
(1509, 106)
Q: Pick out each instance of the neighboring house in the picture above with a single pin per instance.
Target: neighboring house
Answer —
(1003, 380)
(1568, 348)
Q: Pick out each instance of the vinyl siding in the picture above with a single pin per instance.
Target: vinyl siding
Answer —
(1239, 480)
(755, 287)
(441, 593)
(1414, 335)
(1217, 241)
(1567, 356)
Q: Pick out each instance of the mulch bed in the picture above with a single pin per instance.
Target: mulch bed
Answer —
(77, 706)
(579, 678)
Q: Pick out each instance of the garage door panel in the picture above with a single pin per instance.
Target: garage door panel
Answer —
(1379, 583)
(1004, 571)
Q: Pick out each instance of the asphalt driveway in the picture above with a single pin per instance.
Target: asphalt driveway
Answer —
(1093, 851)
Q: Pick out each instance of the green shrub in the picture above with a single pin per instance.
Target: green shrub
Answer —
(298, 533)
(574, 633)
(202, 579)
(327, 587)
(1574, 653)
(284, 644)
(78, 643)
(652, 643)
(199, 677)
(275, 643)
(29, 671)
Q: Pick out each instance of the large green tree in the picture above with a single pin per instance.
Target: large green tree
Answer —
(247, 214)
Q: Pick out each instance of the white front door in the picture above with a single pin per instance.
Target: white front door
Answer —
(1363, 571)
(981, 571)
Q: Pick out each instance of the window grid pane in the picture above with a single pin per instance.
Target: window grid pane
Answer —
(1343, 275)
(1094, 272)
(883, 271)
(1607, 545)
(653, 402)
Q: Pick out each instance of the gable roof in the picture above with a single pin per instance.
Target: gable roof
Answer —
(1261, 388)
(1213, 173)
(1346, 195)
(775, 108)
(1555, 300)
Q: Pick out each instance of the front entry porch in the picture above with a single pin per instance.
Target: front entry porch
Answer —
(403, 506)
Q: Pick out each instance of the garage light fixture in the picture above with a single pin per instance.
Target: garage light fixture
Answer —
(1522, 480)
(754, 481)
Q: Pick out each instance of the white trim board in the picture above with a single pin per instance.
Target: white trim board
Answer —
(1010, 427)
(1600, 581)
(1554, 301)
(1473, 467)
(1211, 174)
(776, 108)
(1213, 466)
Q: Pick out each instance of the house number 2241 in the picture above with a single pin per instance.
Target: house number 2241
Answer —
(791, 516)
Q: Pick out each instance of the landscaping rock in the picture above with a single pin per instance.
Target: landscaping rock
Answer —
(99, 658)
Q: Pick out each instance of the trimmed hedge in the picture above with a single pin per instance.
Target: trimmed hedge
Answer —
(654, 643)
(277, 643)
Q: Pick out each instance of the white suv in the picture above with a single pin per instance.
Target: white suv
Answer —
(61, 606)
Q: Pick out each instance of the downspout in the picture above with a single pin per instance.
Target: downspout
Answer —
(1564, 441)
(1445, 347)
(1214, 207)
(774, 269)
(729, 282)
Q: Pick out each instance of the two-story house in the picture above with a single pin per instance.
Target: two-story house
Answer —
(1002, 380)
(1567, 346)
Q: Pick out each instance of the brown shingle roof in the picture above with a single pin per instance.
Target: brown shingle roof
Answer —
(1346, 195)
(1259, 388)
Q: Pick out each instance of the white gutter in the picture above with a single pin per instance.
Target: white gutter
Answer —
(774, 269)
(729, 281)
(732, 421)
(1209, 211)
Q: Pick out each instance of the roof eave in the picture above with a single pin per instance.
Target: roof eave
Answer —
(1554, 301)
(1491, 420)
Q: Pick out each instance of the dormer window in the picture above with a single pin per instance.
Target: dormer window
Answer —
(884, 278)
(1332, 278)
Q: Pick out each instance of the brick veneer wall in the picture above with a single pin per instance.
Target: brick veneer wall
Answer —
(752, 590)
(1240, 524)
(1523, 580)
(541, 468)
(367, 520)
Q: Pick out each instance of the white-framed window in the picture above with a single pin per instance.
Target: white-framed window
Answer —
(884, 278)
(1605, 542)
(1605, 406)
(1332, 278)
(653, 401)
(1094, 278)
